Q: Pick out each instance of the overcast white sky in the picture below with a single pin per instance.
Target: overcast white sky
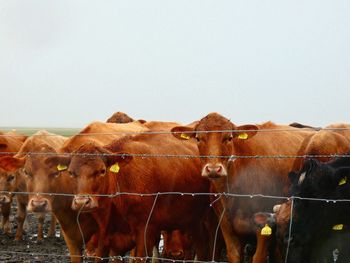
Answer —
(66, 63)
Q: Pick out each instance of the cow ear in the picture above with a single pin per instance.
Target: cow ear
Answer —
(61, 162)
(293, 177)
(142, 121)
(116, 160)
(342, 176)
(310, 164)
(245, 132)
(262, 220)
(11, 164)
(183, 132)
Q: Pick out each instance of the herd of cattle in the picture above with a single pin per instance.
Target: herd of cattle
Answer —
(209, 188)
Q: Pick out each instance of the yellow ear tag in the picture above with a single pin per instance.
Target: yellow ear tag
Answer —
(243, 136)
(115, 168)
(266, 230)
(342, 181)
(338, 227)
(61, 167)
(185, 136)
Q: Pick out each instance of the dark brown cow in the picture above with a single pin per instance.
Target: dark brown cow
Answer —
(15, 181)
(321, 146)
(178, 245)
(120, 117)
(143, 176)
(10, 143)
(243, 175)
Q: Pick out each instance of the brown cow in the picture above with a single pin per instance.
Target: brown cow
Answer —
(322, 146)
(100, 133)
(246, 176)
(143, 176)
(15, 181)
(10, 143)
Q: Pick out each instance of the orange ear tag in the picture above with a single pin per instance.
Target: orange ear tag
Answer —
(115, 168)
(61, 167)
(185, 136)
(266, 230)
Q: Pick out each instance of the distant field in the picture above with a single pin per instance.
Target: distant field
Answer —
(30, 131)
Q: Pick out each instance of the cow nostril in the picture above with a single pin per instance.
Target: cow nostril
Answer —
(218, 170)
(207, 169)
(177, 254)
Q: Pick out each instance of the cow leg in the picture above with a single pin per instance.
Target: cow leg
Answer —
(41, 219)
(6, 209)
(74, 247)
(52, 230)
(21, 216)
(145, 250)
(262, 248)
(232, 242)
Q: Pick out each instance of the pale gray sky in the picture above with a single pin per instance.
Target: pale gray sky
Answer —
(66, 63)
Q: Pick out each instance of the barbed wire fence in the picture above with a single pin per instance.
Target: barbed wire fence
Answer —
(217, 196)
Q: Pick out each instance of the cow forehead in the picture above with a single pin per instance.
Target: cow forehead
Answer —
(36, 163)
(83, 163)
(215, 122)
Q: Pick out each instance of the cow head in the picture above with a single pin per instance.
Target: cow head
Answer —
(311, 218)
(43, 177)
(91, 167)
(218, 139)
(178, 245)
(9, 167)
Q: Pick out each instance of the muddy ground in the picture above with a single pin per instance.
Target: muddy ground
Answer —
(52, 249)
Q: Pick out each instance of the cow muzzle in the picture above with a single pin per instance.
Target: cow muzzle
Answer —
(4, 199)
(83, 203)
(39, 205)
(214, 171)
(176, 254)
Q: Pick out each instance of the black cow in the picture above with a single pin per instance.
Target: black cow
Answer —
(320, 229)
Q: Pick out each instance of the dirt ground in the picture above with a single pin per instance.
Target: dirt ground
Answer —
(29, 250)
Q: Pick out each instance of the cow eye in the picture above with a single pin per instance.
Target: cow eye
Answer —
(72, 174)
(228, 138)
(103, 171)
(55, 174)
(26, 173)
(10, 178)
(198, 139)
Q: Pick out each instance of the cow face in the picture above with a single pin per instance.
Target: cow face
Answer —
(218, 141)
(312, 218)
(90, 167)
(9, 167)
(177, 245)
(43, 178)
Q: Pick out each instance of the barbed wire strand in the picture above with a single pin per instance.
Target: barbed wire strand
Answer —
(81, 231)
(291, 129)
(186, 156)
(290, 229)
(146, 226)
(217, 233)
